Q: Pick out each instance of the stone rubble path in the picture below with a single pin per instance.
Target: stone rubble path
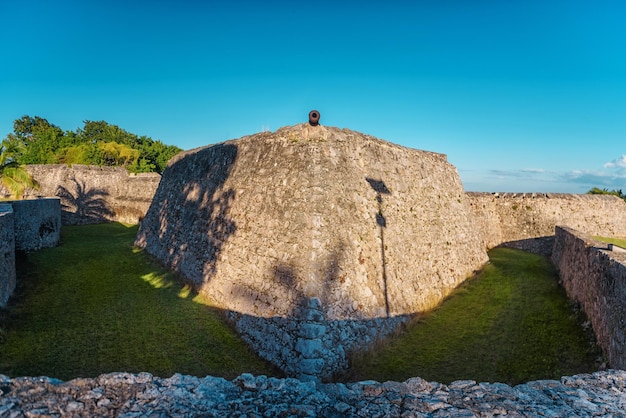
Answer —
(601, 394)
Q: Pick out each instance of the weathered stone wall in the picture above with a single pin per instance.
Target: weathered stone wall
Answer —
(527, 220)
(596, 278)
(26, 225)
(91, 194)
(37, 223)
(7, 253)
(260, 224)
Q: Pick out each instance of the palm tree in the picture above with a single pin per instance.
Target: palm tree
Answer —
(14, 177)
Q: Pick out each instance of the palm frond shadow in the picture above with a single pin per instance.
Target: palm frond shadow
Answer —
(84, 205)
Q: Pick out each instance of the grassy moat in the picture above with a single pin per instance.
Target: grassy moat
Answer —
(95, 304)
(513, 323)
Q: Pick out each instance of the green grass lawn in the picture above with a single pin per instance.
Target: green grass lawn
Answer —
(95, 304)
(513, 323)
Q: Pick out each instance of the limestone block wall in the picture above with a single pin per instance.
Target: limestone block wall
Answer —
(37, 223)
(7, 253)
(596, 278)
(367, 226)
(261, 224)
(91, 194)
(527, 220)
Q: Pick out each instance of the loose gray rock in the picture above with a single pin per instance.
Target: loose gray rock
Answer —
(601, 394)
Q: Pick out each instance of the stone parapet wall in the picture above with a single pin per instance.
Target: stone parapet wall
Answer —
(596, 278)
(37, 223)
(7, 253)
(92, 194)
(527, 220)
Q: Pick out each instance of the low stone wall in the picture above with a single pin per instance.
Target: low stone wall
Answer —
(37, 223)
(527, 220)
(92, 194)
(596, 278)
(7, 253)
(129, 395)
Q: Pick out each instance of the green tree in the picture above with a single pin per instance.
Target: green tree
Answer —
(96, 143)
(80, 154)
(118, 154)
(13, 176)
(101, 131)
(40, 139)
(153, 155)
(156, 153)
(613, 192)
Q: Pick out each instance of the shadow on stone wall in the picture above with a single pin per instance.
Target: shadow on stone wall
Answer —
(83, 205)
(288, 281)
(309, 346)
(304, 343)
(191, 199)
(380, 188)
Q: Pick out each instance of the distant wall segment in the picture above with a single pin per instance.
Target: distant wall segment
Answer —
(92, 194)
(527, 220)
(596, 278)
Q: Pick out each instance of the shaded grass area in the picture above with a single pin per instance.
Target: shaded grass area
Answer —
(95, 304)
(511, 324)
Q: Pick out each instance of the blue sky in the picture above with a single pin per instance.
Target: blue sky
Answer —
(522, 96)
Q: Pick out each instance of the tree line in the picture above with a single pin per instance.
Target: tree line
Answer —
(617, 193)
(34, 140)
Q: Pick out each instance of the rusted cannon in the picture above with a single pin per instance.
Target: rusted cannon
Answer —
(314, 117)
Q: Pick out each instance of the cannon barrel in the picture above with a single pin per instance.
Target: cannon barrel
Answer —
(314, 117)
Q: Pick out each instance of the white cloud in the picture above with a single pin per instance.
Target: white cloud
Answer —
(617, 163)
(525, 173)
(611, 176)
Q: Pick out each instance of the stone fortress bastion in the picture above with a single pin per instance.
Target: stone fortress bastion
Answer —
(318, 240)
(318, 224)
(261, 222)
